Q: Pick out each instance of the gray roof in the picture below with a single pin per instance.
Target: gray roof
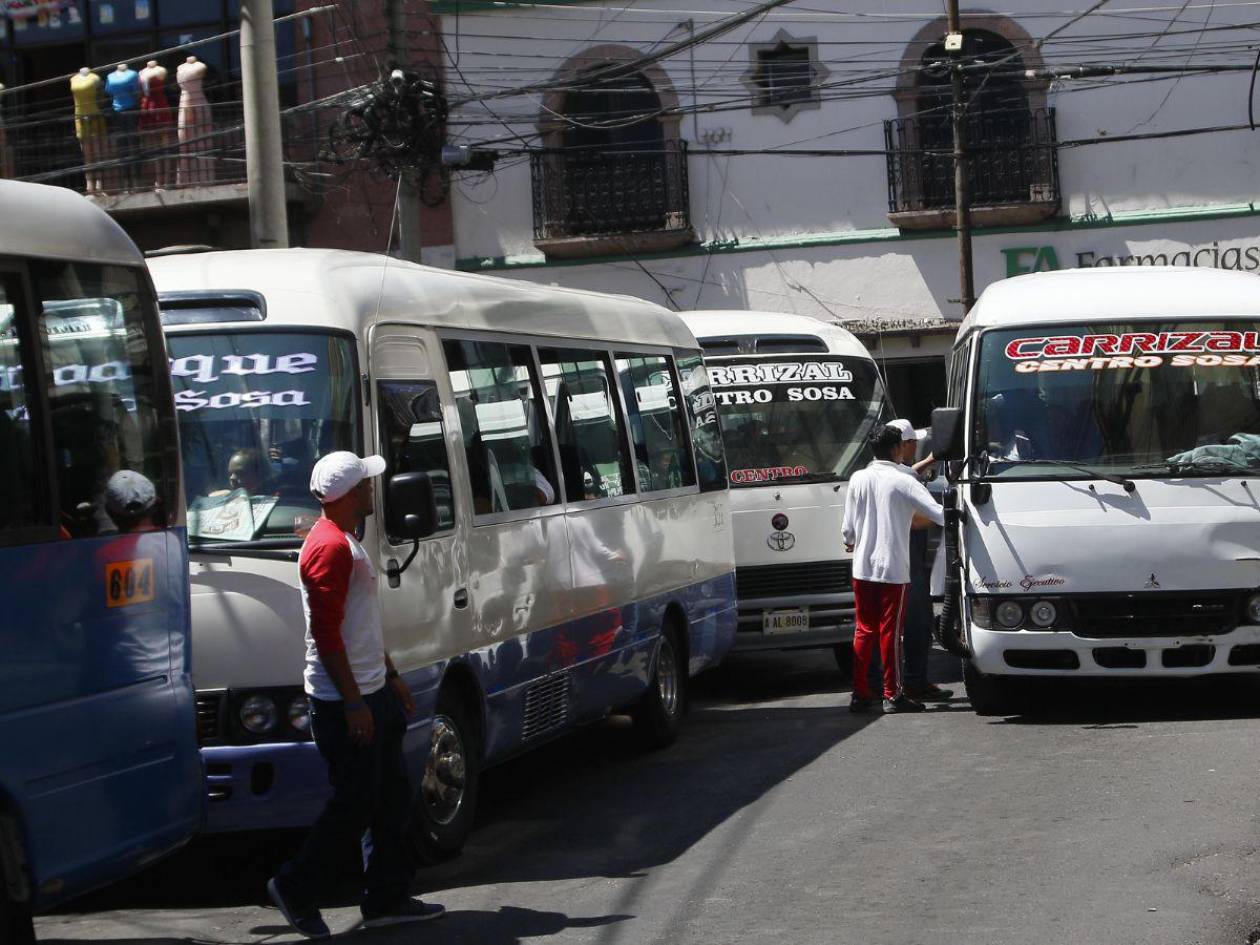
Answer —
(55, 222)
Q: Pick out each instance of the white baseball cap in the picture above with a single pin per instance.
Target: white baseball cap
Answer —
(907, 431)
(338, 473)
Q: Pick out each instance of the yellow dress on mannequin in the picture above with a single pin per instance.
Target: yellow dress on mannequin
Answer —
(88, 120)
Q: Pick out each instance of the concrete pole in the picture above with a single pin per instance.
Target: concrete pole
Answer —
(962, 182)
(409, 232)
(264, 156)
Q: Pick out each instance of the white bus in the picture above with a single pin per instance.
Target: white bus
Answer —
(576, 559)
(796, 398)
(1105, 431)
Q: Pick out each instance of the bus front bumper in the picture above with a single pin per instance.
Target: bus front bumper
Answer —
(830, 616)
(1064, 654)
(264, 787)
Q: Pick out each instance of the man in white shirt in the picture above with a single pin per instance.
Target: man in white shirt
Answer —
(886, 500)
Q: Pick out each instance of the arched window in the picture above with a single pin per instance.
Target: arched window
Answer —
(613, 175)
(1010, 136)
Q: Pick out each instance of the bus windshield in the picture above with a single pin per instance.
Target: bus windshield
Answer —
(795, 418)
(1133, 399)
(256, 409)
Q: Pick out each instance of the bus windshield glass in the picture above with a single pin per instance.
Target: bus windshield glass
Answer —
(795, 418)
(1134, 399)
(256, 409)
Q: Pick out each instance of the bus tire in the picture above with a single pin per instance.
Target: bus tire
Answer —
(989, 695)
(843, 652)
(659, 710)
(446, 804)
(16, 925)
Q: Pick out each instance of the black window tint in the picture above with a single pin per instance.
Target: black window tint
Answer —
(706, 435)
(413, 439)
(656, 423)
(504, 428)
(20, 476)
(101, 390)
(593, 453)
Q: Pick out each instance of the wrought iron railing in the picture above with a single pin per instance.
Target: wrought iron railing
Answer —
(1012, 160)
(608, 193)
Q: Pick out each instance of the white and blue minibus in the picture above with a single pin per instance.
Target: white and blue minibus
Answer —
(99, 769)
(552, 532)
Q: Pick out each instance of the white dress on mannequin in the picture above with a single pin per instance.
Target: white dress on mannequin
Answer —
(194, 124)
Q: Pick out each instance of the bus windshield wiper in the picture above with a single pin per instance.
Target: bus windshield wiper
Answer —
(1119, 480)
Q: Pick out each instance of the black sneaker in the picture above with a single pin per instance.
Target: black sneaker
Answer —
(860, 706)
(931, 693)
(902, 704)
(305, 919)
(409, 910)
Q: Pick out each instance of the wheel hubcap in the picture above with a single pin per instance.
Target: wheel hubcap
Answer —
(445, 772)
(667, 678)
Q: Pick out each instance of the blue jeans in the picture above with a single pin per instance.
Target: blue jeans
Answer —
(917, 637)
(370, 805)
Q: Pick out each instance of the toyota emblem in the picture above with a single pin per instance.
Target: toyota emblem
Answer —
(781, 540)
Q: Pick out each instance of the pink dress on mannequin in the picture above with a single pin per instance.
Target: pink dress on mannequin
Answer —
(194, 124)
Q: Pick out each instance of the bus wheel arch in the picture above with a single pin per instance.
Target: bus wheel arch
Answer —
(445, 806)
(658, 713)
(16, 924)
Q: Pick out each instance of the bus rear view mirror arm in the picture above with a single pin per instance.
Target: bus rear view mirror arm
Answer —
(947, 433)
(411, 512)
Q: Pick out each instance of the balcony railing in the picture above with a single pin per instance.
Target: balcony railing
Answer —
(1012, 160)
(606, 194)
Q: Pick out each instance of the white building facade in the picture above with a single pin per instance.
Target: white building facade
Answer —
(645, 184)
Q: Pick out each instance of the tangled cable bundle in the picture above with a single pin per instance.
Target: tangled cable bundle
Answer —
(396, 124)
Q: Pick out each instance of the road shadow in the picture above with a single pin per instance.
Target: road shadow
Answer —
(1124, 703)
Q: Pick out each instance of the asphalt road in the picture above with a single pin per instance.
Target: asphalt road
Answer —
(1099, 816)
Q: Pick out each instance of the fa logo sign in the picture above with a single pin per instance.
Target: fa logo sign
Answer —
(1024, 259)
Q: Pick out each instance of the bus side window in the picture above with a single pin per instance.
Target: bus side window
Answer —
(101, 388)
(18, 477)
(656, 423)
(413, 439)
(706, 435)
(504, 428)
(593, 453)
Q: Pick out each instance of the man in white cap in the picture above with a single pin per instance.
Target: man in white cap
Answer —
(885, 501)
(359, 706)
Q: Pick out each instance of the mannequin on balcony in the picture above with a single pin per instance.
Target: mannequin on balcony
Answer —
(123, 88)
(157, 123)
(89, 128)
(194, 124)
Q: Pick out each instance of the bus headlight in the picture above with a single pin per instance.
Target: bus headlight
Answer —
(982, 612)
(1009, 614)
(1043, 613)
(1253, 608)
(300, 714)
(259, 714)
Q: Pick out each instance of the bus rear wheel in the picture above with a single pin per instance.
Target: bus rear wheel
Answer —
(16, 926)
(659, 711)
(446, 804)
(989, 695)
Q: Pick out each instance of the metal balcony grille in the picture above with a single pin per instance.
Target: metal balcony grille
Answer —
(788, 580)
(608, 193)
(1013, 160)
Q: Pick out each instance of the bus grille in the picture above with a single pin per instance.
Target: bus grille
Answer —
(1157, 614)
(790, 580)
(209, 716)
(546, 706)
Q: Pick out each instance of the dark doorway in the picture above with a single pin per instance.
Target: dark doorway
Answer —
(915, 388)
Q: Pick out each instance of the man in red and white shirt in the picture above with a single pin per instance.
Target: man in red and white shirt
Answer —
(359, 709)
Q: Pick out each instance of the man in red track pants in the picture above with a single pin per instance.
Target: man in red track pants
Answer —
(885, 501)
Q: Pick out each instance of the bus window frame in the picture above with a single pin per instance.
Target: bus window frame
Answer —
(31, 357)
(250, 328)
(671, 361)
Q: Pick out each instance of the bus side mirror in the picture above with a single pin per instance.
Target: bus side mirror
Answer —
(412, 513)
(947, 433)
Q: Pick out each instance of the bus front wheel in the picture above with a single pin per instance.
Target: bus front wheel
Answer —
(16, 927)
(446, 803)
(659, 711)
(989, 695)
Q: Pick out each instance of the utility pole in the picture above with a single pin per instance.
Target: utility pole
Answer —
(409, 233)
(264, 156)
(962, 195)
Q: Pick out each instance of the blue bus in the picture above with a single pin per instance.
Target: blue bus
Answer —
(99, 769)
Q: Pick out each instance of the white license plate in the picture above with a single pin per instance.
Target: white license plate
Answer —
(785, 621)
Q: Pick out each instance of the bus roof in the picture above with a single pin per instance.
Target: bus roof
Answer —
(1120, 293)
(738, 323)
(340, 289)
(57, 223)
